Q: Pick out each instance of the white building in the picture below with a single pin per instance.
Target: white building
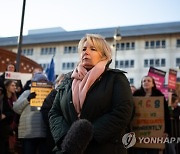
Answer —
(140, 47)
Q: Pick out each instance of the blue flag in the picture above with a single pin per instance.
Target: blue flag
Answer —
(50, 71)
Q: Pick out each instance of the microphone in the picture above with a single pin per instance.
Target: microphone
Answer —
(78, 137)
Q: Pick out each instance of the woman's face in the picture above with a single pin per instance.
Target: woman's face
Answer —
(147, 83)
(11, 68)
(90, 56)
(12, 88)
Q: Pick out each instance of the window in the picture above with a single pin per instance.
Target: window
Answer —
(152, 44)
(163, 43)
(126, 63)
(157, 62)
(131, 63)
(155, 44)
(68, 66)
(121, 64)
(146, 45)
(146, 63)
(126, 46)
(131, 81)
(132, 45)
(151, 62)
(27, 52)
(122, 46)
(158, 44)
(48, 51)
(163, 62)
(178, 62)
(70, 49)
(178, 43)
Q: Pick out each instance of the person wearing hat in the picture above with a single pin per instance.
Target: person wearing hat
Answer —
(31, 129)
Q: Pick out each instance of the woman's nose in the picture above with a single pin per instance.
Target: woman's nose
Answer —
(87, 51)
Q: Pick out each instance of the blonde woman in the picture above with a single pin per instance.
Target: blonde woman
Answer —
(96, 94)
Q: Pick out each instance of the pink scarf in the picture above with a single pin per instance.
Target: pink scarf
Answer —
(83, 81)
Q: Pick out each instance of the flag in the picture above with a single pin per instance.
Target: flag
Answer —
(50, 71)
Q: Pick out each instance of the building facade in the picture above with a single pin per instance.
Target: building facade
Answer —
(141, 46)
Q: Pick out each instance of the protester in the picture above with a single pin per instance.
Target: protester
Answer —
(19, 87)
(27, 85)
(94, 93)
(32, 129)
(133, 88)
(174, 114)
(148, 89)
(8, 119)
(47, 104)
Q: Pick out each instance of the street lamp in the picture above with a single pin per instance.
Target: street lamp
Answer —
(18, 57)
(117, 37)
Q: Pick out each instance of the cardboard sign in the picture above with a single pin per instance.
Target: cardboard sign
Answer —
(148, 120)
(42, 89)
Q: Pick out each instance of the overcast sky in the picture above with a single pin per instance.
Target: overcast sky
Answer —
(84, 14)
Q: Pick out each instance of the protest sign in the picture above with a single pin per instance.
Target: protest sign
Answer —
(172, 79)
(148, 121)
(42, 89)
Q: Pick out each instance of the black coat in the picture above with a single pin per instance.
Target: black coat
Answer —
(47, 104)
(108, 106)
(156, 92)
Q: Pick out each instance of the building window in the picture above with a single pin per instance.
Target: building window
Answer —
(146, 63)
(146, 45)
(151, 62)
(121, 63)
(163, 62)
(178, 62)
(48, 51)
(163, 43)
(68, 66)
(155, 44)
(27, 52)
(126, 63)
(131, 63)
(131, 81)
(126, 46)
(157, 62)
(178, 43)
(70, 49)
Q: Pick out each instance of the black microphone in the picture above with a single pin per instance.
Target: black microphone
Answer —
(78, 137)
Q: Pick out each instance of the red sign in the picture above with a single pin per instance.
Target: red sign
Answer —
(172, 79)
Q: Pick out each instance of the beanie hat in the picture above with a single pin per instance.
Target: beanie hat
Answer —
(38, 77)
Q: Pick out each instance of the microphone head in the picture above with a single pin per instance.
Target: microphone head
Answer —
(78, 137)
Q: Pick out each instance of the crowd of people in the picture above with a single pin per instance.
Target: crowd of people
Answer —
(88, 111)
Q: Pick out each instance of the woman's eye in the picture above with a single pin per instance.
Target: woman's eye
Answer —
(93, 49)
(84, 49)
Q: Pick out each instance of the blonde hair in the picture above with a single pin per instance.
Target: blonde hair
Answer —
(99, 43)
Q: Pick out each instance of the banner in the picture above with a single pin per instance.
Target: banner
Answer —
(172, 79)
(158, 76)
(148, 121)
(42, 89)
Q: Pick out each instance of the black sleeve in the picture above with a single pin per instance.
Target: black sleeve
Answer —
(47, 104)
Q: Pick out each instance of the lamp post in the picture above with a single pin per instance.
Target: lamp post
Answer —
(18, 57)
(117, 37)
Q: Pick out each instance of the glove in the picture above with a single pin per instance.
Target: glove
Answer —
(31, 96)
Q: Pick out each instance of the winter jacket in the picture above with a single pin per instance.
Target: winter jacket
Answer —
(31, 124)
(108, 106)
